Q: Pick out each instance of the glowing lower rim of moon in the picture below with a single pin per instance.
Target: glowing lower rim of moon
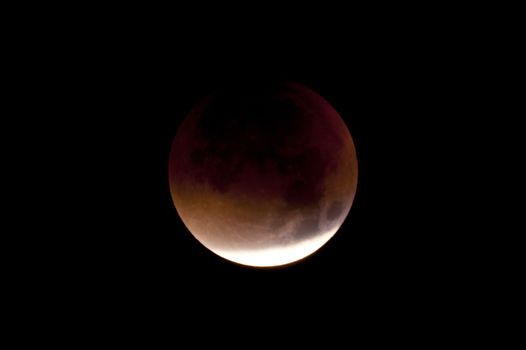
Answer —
(276, 256)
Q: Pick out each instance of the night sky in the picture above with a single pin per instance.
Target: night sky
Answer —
(126, 96)
(388, 240)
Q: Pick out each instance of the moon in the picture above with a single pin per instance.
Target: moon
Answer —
(263, 175)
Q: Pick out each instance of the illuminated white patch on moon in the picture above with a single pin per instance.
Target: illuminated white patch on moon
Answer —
(277, 255)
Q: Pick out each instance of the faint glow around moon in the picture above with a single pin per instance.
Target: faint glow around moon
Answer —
(277, 256)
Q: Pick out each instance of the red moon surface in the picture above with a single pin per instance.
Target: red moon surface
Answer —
(263, 175)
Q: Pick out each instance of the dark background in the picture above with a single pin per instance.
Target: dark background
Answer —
(138, 94)
(114, 97)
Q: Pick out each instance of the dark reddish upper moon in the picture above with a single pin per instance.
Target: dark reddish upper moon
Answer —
(263, 175)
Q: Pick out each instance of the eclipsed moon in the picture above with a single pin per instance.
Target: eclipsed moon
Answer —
(263, 175)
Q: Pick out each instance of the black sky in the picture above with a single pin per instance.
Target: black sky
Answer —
(136, 97)
(119, 96)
